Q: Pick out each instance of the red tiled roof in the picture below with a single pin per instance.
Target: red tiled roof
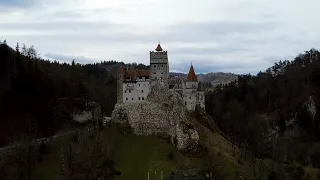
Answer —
(191, 75)
(159, 48)
(132, 74)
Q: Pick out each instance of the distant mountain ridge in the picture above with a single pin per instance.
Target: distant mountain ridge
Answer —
(214, 77)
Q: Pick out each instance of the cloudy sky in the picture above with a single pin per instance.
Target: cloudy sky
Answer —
(240, 36)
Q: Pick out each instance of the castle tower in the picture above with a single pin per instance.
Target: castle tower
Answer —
(120, 85)
(159, 65)
(192, 82)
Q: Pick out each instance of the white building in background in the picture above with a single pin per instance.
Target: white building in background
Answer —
(133, 85)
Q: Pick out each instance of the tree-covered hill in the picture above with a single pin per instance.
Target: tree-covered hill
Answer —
(281, 104)
(32, 88)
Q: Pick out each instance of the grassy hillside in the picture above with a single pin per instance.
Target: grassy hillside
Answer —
(136, 155)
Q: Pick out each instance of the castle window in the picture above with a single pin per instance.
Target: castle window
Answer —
(142, 91)
(185, 103)
(132, 99)
(139, 84)
(129, 91)
(162, 73)
(142, 98)
(139, 98)
(154, 66)
(125, 91)
(161, 77)
(161, 65)
(154, 73)
(126, 99)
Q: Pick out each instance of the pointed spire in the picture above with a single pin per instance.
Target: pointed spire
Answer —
(159, 48)
(191, 75)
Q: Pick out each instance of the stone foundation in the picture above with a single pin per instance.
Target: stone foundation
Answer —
(164, 114)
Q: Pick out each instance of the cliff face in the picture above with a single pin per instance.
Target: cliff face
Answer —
(163, 114)
(292, 125)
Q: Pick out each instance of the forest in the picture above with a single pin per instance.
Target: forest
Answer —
(32, 88)
(274, 114)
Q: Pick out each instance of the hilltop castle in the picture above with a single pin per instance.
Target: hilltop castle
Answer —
(134, 85)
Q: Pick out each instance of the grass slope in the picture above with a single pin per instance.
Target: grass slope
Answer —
(137, 155)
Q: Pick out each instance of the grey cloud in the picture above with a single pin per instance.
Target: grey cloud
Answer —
(226, 48)
(17, 3)
(69, 58)
(249, 38)
(215, 31)
(52, 26)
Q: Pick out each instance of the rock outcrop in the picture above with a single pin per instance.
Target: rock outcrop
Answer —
(292, 127)
(90, 112)
(163, 114)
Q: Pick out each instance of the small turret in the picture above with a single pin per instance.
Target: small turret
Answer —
(191, 75)
(192, 82)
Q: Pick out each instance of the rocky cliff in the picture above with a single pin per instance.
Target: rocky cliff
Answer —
(163, 114)
(292, 125)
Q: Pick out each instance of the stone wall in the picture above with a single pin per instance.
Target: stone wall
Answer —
(164, 114)
(193, 99)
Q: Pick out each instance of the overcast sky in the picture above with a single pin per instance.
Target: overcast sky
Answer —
(240, 36)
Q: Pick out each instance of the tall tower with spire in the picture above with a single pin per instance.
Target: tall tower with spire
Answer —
(159, 65)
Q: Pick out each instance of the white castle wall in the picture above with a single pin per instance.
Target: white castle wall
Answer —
(135, 92)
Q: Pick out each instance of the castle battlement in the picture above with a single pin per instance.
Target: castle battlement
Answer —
(134, 85)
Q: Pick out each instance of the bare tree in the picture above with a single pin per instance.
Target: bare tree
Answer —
(22, 157)
(89, 158)
(24, 50)
(18, 48)
(32, 53)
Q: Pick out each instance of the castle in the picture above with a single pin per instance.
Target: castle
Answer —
(134, 85)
